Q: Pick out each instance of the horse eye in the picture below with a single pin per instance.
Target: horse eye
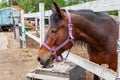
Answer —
(54, 31)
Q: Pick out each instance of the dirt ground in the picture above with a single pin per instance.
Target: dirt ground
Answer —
(15, 63)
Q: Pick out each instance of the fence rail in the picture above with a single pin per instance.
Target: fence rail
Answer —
(36, 15)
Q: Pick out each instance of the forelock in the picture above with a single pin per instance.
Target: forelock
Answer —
(54, 18)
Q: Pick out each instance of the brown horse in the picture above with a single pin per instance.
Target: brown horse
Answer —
(97, 29)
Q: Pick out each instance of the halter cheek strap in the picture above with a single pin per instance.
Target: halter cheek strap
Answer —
(70, 39)
(69, 25)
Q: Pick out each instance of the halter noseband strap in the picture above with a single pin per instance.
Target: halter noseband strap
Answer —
(70, 38)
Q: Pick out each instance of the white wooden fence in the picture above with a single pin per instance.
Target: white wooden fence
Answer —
(97, 6)
(38, 15)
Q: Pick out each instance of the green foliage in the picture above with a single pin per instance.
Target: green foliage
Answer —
(32, 5)
(113, 12)
(61, 3)
(29, 5)
(3, 4)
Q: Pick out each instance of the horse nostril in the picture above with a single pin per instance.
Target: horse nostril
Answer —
(38, 58)
(48, 61)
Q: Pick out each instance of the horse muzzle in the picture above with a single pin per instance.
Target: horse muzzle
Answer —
(44, 63)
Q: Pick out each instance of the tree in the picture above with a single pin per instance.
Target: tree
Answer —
(32, 5)
(3, 4)
(61, 3)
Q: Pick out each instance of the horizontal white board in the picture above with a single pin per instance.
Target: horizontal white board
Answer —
(33, 37)
(97, 6)
(105, 73)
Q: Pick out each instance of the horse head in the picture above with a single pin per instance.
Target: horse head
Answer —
(59, 37)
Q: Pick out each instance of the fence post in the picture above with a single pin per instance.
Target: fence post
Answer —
(41, 22)
(23, 30)
(36, 25)
(13, 19)
(118, 49)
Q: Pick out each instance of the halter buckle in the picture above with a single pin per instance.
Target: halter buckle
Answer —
(70, 26)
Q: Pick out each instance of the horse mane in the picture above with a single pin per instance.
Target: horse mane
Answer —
(94, 17)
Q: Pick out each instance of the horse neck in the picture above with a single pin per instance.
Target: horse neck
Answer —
(85, 30)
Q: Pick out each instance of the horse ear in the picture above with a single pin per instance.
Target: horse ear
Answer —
(54, 7)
